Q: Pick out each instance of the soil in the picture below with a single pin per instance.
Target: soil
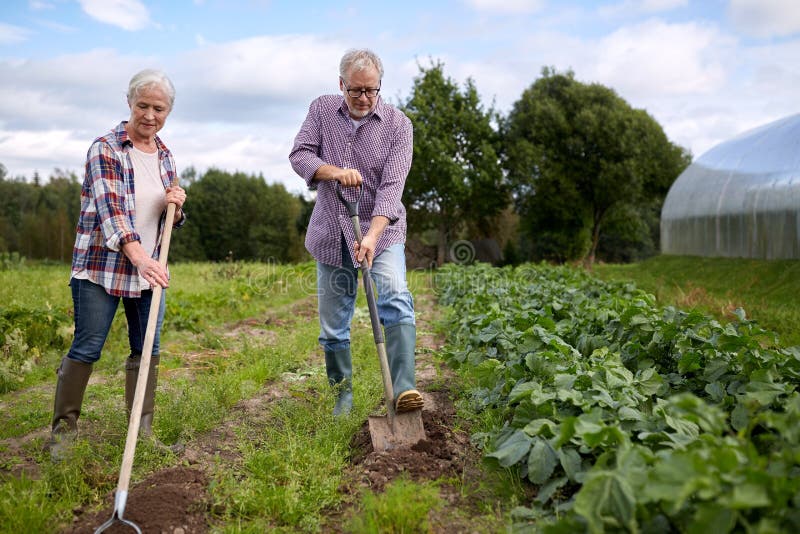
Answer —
(177, 501)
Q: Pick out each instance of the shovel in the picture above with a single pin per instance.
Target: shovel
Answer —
(395, 430)
(121, 496)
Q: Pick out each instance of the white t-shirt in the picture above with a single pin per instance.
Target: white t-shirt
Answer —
(151, 200)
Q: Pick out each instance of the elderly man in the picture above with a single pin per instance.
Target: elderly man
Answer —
(358, 140)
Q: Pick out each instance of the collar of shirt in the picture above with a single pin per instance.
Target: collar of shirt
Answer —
(377, 112)
(122, 137)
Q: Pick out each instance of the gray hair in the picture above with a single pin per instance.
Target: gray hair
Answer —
(357, 59)
(148, 78)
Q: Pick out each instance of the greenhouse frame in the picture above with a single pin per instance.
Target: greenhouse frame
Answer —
(739, 199)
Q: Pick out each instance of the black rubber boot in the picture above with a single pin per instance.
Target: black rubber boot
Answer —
(70, 388)
(339, 367)
(149, 404)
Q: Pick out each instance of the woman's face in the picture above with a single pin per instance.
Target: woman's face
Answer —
(149, 110)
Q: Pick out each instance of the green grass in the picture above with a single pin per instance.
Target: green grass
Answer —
(767, 290)
(402, 508)
(292, 453)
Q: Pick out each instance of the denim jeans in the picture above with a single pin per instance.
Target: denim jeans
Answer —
(94, 312)
(336, 291)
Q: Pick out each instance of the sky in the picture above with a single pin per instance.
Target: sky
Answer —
(245, 71)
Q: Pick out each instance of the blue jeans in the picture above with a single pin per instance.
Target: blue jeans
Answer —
(336, 291)
(94, 312)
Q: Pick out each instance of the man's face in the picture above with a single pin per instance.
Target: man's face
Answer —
(361, 105)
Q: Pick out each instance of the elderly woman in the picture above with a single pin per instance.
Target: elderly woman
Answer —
(130, 179)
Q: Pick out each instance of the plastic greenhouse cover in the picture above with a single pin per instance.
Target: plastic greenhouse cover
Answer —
(741, 198)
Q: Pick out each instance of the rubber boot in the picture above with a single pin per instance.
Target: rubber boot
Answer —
(339, 367)
(149, 404)
(400, 342)
(70, 387)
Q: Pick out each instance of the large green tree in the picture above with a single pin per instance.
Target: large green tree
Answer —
(456, 181)
(578, 155)
(242, 217)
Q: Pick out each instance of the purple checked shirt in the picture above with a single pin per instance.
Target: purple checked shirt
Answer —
(380, 148)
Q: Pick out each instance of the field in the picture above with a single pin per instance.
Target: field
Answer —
(242, 387)
(767, 290)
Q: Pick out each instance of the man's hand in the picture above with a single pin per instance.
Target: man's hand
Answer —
(368, 243)
(345, 176)
(349, 177)
(366, 249)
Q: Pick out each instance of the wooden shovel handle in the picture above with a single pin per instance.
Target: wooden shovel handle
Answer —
(144, 369)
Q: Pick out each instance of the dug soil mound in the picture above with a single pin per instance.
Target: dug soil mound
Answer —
(172, 501)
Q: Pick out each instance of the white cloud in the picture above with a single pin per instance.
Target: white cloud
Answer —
(263, 150)
(40, 6)
(50, 111)
(238, 105)
(12, 34)
(765, 18)
(628, 8)
(657, 58)
(129, 15)
(25, 151)
(285, 68)
(55, 26)
(655, 6)
(505, 7)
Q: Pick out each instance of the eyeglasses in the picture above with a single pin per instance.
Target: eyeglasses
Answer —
(356, 93)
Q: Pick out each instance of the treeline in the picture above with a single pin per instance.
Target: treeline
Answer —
(232, 216)
(573, 172)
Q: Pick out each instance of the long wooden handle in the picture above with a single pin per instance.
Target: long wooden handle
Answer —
(144, 369)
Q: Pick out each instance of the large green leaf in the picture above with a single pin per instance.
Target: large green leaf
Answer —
(512, 449)
(542, 460)
(606, 500)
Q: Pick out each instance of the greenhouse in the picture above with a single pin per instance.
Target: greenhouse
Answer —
(739, 199)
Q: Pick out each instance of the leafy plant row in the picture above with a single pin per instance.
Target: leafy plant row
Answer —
(627, 416)
(25, 334)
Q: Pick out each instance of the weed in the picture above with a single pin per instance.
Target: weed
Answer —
(402, 508)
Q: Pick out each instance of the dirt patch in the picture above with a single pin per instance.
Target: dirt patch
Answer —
(172, 501)
(442, 454)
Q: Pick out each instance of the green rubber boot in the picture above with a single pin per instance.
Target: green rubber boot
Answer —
(400, 343)
(339, 367)
(70, 388)
(149, 404)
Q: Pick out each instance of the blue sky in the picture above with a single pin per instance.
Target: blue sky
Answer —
(245, 71)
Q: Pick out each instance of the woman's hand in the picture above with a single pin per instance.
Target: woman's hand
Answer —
(153, 272)
(149, 269)
(176, 195)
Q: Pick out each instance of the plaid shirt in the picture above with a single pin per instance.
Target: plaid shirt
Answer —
(108, 215)
(380, 148)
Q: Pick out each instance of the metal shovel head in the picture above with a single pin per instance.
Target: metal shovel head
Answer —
(406, 431)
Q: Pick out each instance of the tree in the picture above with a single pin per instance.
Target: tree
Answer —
(456, 181)
(576, 154)
(242, 217)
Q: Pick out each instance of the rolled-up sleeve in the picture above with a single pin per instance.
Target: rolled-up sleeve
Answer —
(109, 192)
(388, 197)
(304, 156)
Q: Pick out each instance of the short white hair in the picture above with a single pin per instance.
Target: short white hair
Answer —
(148, 78)
(357, 59)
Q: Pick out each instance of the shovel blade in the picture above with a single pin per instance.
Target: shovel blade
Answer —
(406, 431)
